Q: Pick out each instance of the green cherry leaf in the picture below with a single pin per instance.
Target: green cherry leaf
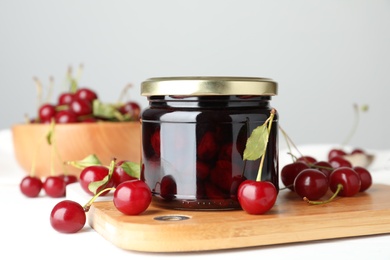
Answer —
(132, 169)
(104, 110)
(90, 160)
(94, 186)
(256, 143)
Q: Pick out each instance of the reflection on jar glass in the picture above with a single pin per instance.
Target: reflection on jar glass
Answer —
(193, 137)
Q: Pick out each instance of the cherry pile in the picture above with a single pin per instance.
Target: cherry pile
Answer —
(312, 179)
(83, 105)
(102, 178)
(132, 196)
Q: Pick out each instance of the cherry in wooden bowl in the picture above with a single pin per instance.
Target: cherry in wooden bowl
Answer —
(74, 142)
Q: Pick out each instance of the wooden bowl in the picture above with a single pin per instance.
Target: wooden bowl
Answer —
(106, 140)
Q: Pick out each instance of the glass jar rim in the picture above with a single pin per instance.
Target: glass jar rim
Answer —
(208, 86)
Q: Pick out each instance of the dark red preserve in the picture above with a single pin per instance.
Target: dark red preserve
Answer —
(193, 137)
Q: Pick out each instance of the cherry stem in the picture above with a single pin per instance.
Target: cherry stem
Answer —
(87, 206)
(355, 124)
(110, 171)
(289, 141)
(38, 85)
(124, 92)
(269, 121)
(50, 89)
(79, 72)
(339, 188)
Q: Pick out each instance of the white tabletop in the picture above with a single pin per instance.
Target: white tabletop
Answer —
(26, 233)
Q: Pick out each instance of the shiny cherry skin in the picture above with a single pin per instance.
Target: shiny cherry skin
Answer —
(348, 178)
(65, 98)
(307, 159)
(336, 152)
(92, 174)
(311, 183)
(132, 197)
(47, 112)
(68, 216)
(131, 108)
(365, 178)
(86, 94)
(80, 107)
(69, 178)
(256, 197)
(31, 186)
(339, 161)
(323, 166)
(290, 171)
(119, 175)
(65, 117)
(168, 187)
(54, 186)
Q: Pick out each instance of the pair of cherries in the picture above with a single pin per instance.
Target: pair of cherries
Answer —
(132, 196)
(54, 186)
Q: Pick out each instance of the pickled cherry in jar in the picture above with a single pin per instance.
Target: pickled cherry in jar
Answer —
(193, 138)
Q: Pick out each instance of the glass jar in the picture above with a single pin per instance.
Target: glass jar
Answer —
(194, 133)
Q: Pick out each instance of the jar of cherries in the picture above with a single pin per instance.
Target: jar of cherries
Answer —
(194, 134)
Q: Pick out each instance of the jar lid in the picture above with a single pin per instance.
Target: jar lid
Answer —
(208, 86)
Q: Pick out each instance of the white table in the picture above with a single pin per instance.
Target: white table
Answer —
(26, 233)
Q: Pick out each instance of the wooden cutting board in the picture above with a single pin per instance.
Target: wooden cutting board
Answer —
(290, 220)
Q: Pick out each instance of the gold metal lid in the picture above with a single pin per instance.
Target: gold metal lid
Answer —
(208, 86)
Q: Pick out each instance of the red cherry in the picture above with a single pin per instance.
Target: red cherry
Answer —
(348, 178)
(65, 98)
(365, 177)
(119, 175)
(336, 152)
(54, 186)
(86, 93)
(168, 187)
(202, 170)
(132, 197)
(324, 167)
(92, 174)
(290, 171)
(68, 178)
(67, 217)
(339, 161)
(358, 150)
(65, 117)
(207, 147)
(132, 109)
(155, 142)
(311, 183)
(212, 192)
(81, 107)
(31, 186)
(222, 174)
(46, 112)
(307, 159)
(256, 197)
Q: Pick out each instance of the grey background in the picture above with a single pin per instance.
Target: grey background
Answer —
(325, 55)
